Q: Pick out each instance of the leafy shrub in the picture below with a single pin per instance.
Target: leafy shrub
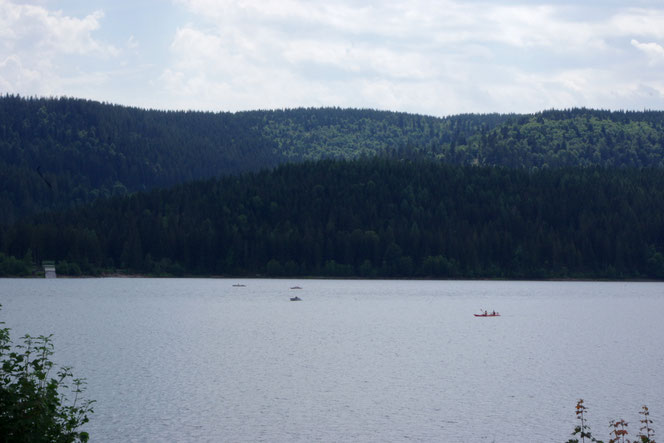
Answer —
(34, 406)
(618, 428)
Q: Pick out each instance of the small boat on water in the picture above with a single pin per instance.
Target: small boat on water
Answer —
(237, 285)
(296, 298)
(488, 314)
(296, 287)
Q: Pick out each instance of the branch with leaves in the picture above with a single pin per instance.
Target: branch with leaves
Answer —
(34, 405)
(618, 428)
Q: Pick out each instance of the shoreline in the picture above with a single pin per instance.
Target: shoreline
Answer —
(311, 277)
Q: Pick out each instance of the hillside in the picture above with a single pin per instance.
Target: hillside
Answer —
(58, 153)
(55, 153)
(370, 218)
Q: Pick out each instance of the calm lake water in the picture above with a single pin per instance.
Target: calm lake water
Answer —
(366, 361)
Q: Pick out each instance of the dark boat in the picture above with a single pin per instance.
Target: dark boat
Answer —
(238, 286)
(296, 287)
(487, 314)
(296, 298)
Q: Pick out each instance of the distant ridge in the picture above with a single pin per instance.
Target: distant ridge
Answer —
(60, 152)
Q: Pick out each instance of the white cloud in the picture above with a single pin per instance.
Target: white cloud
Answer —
(14, 76)
(35, 42)
(36, 28)
(428, 56)
(654, 51)
(638, 21)
(132, 43)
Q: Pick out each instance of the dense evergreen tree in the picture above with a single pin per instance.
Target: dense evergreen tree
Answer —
(58, 153)
(371, 218)
(55, 153)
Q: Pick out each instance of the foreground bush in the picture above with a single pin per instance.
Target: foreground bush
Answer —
(34, 406)
(618, 428)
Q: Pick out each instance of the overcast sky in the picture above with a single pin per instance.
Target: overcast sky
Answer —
(435, 57)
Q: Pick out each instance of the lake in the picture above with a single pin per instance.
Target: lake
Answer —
(355, 360)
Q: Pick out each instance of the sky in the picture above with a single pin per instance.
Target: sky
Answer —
(433, 57)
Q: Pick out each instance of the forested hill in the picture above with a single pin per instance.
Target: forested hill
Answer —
(369, 218)
(56, 153)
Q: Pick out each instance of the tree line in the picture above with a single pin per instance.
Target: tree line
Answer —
(57, 153)
(373, 217)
